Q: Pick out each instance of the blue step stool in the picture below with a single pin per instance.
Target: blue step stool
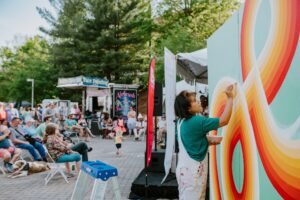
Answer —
(95, 174)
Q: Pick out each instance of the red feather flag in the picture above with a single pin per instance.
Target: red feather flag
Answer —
(150, 128)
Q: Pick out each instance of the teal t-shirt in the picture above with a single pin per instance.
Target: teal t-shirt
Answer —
(70, 122)
(40, 130)
(193, 135)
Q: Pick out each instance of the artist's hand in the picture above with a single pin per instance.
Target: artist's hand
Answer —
(230, 90)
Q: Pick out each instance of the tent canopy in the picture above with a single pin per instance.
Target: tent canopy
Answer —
(193, 66)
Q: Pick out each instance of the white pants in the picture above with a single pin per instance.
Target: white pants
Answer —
(192, 180)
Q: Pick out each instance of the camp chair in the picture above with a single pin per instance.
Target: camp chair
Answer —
(54, 168)
(71, 134)
(25, 154)
(1, 168)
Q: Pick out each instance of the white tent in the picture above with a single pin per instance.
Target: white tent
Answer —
(183, 85)
(193, 66)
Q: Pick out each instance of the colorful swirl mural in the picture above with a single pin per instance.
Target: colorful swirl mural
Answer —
(252, 123)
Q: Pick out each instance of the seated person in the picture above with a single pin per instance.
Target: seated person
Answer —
(162, 129)
(17, 137)
(29, 128)
(71, 125)
(140, 126)
(106, 125)
(86, 131)
(40, 130)
(80, 147)
(4, 124)
(60, 152)
(110, 128)
(9, 153)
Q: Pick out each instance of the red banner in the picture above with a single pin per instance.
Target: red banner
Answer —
(150, 128)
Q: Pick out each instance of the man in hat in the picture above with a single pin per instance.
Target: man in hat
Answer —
(17, 137)
(140, 126)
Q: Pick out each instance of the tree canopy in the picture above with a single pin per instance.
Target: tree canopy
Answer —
(104, 38)
(100, 38)
(31, 60)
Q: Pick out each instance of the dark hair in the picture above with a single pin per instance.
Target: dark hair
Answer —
(204, 101)
(106, 116)
(50, 130)
(115, 118)
(182, 104)
(46, 118)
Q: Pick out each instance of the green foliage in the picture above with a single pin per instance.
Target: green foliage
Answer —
(185, 25)
(101, 38)
(104, 38)
(30, 60)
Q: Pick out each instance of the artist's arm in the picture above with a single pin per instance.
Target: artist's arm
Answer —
(225, 117)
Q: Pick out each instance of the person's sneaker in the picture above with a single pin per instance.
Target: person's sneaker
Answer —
(9, 167)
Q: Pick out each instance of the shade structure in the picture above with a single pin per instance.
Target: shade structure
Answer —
(193, 66)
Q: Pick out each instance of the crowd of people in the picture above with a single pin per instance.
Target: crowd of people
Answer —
(40, 130)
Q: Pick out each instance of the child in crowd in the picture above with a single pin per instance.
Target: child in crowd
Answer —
(118, 140)
(120, 129)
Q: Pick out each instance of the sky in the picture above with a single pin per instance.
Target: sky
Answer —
(20, 19)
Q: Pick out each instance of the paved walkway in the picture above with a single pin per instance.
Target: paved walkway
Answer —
(129, 164)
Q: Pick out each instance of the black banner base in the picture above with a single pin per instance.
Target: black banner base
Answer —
(169, 189)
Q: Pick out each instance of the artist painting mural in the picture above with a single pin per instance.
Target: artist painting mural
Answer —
(123, 100)
(259, 157)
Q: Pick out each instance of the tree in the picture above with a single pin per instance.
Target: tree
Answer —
(100, 38)
(30, 60)
(185, 25)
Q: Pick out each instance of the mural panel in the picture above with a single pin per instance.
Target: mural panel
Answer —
(257, 48)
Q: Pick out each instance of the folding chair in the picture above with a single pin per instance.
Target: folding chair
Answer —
(54, 168)
(72, 134)
(25, 154)
(1, 168)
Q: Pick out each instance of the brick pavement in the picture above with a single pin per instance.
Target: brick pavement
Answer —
(129, 165)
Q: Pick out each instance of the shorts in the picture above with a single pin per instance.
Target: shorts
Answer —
(11, 150)
(119, 145)
(131, 123)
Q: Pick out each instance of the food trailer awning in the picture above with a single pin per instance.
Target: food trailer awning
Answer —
(82, 82)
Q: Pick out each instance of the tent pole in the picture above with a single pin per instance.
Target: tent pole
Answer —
(83, 100)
